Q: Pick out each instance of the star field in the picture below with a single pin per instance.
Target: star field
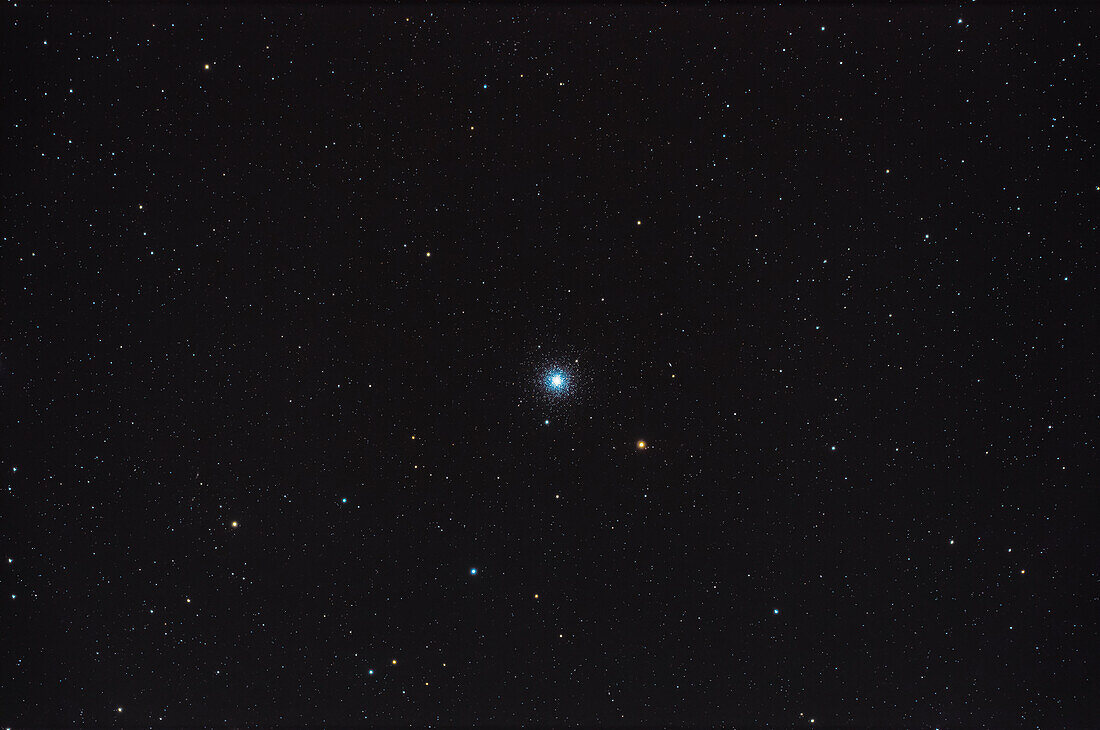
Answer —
(562, 366)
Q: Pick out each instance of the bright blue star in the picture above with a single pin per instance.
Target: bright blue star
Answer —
(473, 571)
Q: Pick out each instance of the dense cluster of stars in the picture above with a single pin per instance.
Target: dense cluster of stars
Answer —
(557, 382)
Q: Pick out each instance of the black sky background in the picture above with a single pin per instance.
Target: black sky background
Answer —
(835, 266)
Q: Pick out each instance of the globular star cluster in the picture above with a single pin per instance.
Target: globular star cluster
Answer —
(693, 365)
(556, 382)
(555, 394)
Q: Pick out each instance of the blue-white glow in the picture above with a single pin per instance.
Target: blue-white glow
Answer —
(557, 381)
(473, 571)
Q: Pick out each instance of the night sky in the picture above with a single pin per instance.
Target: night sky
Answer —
(568, 365)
